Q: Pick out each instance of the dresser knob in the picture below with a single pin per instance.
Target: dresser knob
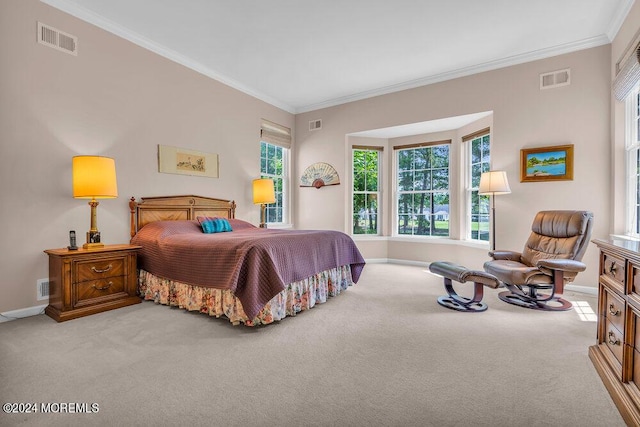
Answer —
(102, 288)
(95, 270)
(613, 311)
(612, 339)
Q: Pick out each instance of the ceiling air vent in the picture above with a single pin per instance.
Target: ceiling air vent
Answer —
(555, 79)
(315, 124)
(57, 39)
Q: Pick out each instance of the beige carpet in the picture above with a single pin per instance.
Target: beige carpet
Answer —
(384, 353)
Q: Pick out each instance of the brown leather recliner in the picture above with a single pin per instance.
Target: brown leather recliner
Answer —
(551, 258)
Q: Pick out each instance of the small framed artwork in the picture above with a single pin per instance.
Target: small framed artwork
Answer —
(187, 162)
(553, 163)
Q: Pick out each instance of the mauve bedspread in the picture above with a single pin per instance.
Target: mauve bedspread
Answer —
(254, 263)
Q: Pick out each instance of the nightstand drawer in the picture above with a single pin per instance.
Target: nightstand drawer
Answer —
(93, 291)
(100, 268)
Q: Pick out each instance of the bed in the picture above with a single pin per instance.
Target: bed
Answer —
(250, 275)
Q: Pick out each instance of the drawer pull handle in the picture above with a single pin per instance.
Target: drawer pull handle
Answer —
(104, 288)
(95, 270)
(612, 339)
(613, 311)
(613, 268)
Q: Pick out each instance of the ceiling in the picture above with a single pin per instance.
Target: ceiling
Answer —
(301, 55)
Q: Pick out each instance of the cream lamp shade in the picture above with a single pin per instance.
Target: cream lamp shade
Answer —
(94, 177)
(263, 194)
(494, 183)
(263, 191)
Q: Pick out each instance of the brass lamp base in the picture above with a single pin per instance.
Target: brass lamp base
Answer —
(93, 245)
(93, 240)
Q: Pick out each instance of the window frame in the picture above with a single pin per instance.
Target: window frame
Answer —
(484, 200)
(632, 161)
(282, 191)
(398, 193)
(378, 193)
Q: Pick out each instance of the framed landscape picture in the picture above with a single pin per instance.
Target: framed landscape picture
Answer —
(554, 163)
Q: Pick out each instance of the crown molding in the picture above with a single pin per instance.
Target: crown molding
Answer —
(114, 28)
(618, 19)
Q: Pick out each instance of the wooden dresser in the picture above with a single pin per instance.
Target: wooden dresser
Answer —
(88, 281)
(616, 356)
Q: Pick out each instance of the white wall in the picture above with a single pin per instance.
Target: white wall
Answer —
(523, 116)
(114, 99)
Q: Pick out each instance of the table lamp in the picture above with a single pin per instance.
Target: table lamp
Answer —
(263, 194)
(493, 183)
(94, 177)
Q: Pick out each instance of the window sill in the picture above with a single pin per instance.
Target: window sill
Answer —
(423, 239)
(279, 226)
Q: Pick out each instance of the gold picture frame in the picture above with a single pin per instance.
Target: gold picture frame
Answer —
(552, 163)
(187, 162)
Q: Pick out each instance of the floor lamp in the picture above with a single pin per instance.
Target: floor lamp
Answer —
(493, 183)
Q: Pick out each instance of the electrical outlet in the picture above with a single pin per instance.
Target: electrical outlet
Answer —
(42, 289)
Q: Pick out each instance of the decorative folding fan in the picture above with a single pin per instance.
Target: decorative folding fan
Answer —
(318, 175)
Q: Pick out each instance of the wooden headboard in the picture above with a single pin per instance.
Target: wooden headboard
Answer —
(172, 208)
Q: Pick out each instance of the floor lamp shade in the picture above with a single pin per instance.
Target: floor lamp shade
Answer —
(94, 177)
(263, 194)
(493, 183)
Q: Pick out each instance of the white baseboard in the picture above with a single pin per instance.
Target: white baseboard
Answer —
(396, 261)
(582, 289)
(23, 312)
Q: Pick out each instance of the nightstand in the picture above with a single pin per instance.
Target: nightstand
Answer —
(89, 281)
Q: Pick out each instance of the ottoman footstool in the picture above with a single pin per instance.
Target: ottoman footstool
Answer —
(459, 273)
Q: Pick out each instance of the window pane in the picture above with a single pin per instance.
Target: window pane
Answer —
(441, 179)
(405, 181)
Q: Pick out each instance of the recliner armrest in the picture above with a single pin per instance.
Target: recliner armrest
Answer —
(568, 265)
(505, 255)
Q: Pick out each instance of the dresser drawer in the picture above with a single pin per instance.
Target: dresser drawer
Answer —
(614, 309)
(99, 268)
(613, 268)
(614, 340)
(97, 291)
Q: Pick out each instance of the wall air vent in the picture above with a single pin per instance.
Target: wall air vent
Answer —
(42, 287)
(315, 124)
(57, 39)
(555, 79)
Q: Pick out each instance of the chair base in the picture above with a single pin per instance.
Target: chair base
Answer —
(462, 304)
(548, 304)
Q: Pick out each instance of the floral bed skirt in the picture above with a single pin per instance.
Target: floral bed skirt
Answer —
(296, 297)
